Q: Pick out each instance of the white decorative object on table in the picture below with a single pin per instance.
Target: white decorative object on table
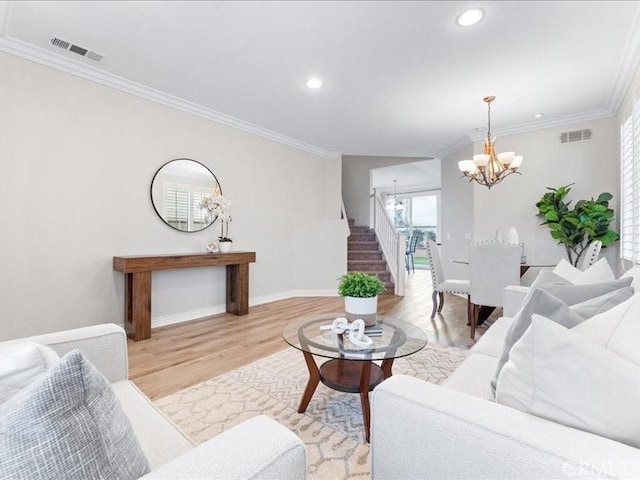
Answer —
(218, 206)
(354, 331)
(211, 247)
(512, 236)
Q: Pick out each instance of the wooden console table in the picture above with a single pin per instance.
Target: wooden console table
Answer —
(137, 270)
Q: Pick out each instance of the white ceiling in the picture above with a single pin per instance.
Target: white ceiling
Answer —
(400, 78)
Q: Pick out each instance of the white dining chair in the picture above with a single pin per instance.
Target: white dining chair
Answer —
(591, 255)
(493, 266)
(442, 285)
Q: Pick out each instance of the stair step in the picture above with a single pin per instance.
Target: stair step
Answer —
(351, 221)
(363, 255)
(362, 237)
(360, 229)
(366, 265)
(364, 246)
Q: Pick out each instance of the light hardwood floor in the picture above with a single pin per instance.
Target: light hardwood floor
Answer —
(181, 355)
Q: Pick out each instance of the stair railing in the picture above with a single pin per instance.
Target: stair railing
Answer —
(393, 244)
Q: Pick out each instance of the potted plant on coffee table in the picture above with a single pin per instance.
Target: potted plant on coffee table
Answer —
(360, 291)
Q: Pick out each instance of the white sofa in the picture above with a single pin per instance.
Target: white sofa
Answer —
(259, 448)
(420, 430)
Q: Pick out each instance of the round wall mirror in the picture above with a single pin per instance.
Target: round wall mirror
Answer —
(177, 189)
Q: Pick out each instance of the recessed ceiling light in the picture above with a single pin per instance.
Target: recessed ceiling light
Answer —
(470, 17)
(538, 115)
(314, 83)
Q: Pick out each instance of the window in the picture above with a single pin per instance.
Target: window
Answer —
(182, 206)
(630, 186)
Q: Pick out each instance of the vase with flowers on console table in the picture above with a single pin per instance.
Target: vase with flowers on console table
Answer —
(218, 207)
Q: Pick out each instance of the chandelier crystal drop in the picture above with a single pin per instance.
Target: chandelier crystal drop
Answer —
(488, 168)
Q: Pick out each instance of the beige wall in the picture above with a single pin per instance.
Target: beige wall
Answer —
(592, 165)
(76, 162)
(457, 214)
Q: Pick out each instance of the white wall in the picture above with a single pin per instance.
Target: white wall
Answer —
(356, 183)
(593, 166)
(76, 162)
(457, 214)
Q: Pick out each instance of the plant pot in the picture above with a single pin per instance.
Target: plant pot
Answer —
(224, 247)
(364, 308)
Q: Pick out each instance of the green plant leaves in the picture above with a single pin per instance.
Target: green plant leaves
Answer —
(576, 228)
(360, 284)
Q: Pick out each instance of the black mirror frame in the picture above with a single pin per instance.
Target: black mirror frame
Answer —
(154, 205)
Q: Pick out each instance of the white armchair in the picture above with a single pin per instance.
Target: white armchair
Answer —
(257, 448)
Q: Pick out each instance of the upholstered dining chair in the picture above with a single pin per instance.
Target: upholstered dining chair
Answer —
(591, 255)
(442, 285)
(493, 266)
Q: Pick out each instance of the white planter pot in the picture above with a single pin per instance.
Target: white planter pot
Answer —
(224, 247)
(364, 308)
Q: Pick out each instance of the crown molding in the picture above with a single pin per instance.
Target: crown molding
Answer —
(54, 60)
(543, 124)
(453, 148)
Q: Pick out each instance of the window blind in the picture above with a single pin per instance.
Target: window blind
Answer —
(630, 186)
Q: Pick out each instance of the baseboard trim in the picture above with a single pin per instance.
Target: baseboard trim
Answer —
(164, 320)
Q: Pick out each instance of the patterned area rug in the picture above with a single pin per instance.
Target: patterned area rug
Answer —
(332, 427)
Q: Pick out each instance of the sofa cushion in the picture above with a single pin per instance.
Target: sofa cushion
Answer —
(558, 375)
(21, 364)
(474, 375)
(543, 303)
(596, 273)
(150, 424)
(603, 303)
(69, 425)
(573, 294)
(492, 341)
(547, 277)
(617, 330)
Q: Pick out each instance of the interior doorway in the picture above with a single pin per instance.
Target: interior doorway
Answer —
(411, 194)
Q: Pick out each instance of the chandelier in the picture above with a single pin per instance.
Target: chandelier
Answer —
(488, 168)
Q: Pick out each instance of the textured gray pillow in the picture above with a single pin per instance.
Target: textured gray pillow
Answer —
(572, 294)
(594, 306)
(543, 303)
(69, 425)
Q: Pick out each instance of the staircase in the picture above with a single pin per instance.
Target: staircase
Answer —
(364, 254)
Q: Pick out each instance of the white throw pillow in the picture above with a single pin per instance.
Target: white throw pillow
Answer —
(556, 374)
(597, 273)
(21, 364)
(617, 330)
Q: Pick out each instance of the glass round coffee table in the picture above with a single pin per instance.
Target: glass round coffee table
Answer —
(350, 368)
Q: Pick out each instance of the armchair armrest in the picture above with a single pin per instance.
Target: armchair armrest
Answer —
(104, 345)
(259, 448)
(513, 299)
(420, 429)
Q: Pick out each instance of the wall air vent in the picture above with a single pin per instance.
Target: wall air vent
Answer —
(576, 136)
(77, 49)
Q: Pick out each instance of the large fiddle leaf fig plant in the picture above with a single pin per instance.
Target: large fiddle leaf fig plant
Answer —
(577, 227)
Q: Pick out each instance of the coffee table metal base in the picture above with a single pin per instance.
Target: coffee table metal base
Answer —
(352, 376)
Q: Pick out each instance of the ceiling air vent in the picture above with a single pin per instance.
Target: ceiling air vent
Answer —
(77, 49)
(575, 136)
